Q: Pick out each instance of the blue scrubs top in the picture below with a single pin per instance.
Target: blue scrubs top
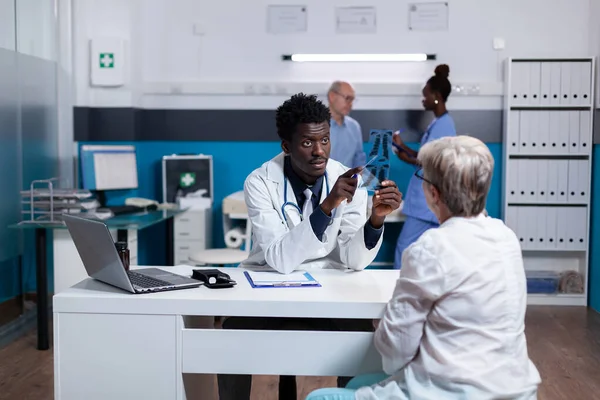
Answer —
(347, 143)
(414, 201)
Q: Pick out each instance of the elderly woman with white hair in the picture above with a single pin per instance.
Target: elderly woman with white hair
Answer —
(455, 326)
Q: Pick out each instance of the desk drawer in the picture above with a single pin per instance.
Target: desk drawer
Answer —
(308, 353)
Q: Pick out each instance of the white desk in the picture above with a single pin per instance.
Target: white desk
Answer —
(111, 344)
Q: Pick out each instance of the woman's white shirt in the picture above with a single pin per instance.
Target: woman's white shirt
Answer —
(454, 327)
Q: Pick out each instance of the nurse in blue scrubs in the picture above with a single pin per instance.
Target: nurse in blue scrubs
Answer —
(418, 216)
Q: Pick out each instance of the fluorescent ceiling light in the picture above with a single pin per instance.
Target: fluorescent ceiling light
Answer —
(358, 57)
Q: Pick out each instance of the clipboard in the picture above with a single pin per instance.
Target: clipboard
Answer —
(309, 282)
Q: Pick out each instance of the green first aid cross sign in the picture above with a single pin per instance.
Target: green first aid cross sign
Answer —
(107, 60)
(187, 179)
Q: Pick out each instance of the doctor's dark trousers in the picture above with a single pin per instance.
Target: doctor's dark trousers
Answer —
(238, 387)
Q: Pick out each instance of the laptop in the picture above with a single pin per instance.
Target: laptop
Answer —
(98, 252)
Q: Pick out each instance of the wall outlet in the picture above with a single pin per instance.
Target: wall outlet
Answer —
(499, 44)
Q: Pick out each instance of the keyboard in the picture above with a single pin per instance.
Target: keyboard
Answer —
(144, 281)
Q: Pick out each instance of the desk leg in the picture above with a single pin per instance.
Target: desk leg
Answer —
(42, 289)
(170, 242)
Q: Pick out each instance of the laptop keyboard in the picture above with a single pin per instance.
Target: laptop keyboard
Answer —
(144, 281)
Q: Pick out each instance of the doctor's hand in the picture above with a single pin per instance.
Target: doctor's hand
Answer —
(344, 189)
(385, 200)
(397, 139)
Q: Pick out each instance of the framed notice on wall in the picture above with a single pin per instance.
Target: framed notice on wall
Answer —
(355, 20)
(428, 16)
(286, 19)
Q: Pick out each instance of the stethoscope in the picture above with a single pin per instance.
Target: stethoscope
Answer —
(289, 203)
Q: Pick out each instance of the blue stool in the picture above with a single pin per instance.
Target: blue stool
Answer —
(348, 392)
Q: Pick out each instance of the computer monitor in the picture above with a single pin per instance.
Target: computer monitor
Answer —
(108, 167)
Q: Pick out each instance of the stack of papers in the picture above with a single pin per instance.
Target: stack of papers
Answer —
(275, 279)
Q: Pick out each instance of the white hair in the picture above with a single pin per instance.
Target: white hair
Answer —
(460, 168)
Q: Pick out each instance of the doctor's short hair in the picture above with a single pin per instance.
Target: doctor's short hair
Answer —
(461, 169)
(299, 109)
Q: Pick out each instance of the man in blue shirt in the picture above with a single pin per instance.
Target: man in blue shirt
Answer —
(346, 135)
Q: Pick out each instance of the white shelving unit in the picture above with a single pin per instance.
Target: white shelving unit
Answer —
(548, 120)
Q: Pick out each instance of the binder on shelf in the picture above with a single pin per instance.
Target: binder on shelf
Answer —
(585, 131)
(522, 180)
(513, 132)
(545, 83)
(268, 279)
(520, 83)
(543, 132)
(565, 83)
(555, 86)
(579, 229)
(551, 216)
(564, 128)
(541, 229)
(552, 181)
(563, 180)
(554, 133)
(542, 181)
(584, 179)
(512, 181)
(534, 83)
(524, 133)
(562, 226)
(585, 79)
(533, 131)
(532, 181)
(574, 132)
(573, 182)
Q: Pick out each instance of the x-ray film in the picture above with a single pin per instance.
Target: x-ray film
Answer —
(377, 169)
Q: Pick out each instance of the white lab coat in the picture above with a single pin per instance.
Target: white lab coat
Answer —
(295, 247)
(454, 328)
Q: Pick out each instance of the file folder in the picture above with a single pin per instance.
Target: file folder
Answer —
(545, 84)
(565, 83)
(577, 239)
(563, 180)
(562, 226)
(564, 131)
(551, 216)
(524, 137)
(585, 131)
(522, 180)
(269, 279)
(573, 182)
(534, 132)
(543, 132)
(534, 83)
(541, 216)
(554, 139)
(555, 75)
(574, 132)
(585, 79)
(512, 181)
(513, 131)
(552, 181)
(583, 183)
(542, 181)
